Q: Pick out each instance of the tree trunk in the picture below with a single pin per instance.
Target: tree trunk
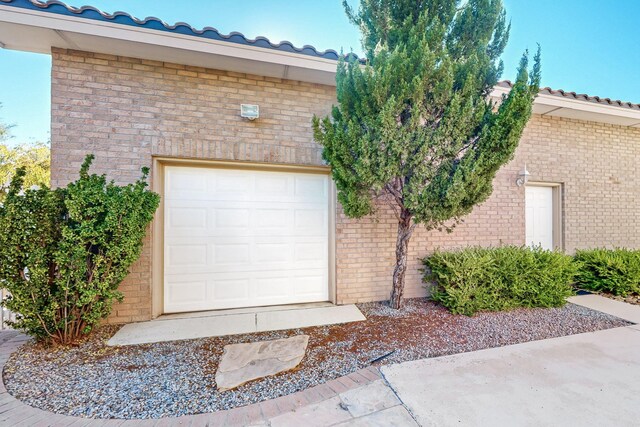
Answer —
(405, 230)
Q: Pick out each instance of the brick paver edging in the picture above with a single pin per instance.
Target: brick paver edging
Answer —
(16, 413)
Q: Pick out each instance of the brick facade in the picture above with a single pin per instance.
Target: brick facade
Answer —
(596, 164)
(127, 110)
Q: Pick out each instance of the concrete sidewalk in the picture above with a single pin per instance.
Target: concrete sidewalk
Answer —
(590, 379)
(623, 310)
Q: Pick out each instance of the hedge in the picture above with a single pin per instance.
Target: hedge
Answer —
(494, 279)
(616, 271)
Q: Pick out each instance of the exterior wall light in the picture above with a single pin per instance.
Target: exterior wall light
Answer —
(249, 111)
(523, 177)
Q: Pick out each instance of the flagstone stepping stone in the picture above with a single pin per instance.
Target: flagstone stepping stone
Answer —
(241, 363)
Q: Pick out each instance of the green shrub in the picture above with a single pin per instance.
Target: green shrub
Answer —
(493, 279)
(616, 271)
(64, 252)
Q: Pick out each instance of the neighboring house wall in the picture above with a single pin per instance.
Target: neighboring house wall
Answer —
(127, 110)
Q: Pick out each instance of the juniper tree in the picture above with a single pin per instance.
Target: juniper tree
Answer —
(414, 125)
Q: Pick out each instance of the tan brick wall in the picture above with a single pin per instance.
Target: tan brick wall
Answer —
(595, 163)
(127, 110)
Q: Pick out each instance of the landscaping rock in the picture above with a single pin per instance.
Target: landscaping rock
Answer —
(241, 363)
(175, 378)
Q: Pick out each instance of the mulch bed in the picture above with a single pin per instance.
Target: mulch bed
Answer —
(177, 378)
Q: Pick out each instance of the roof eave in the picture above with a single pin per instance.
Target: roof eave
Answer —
(560, 106)
(39, 31)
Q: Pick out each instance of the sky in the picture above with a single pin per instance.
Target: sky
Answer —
(588, 46)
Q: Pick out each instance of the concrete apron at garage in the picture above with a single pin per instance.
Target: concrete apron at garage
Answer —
(217, 323)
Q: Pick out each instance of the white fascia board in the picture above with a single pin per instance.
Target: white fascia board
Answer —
(160, 38)
(574, 104)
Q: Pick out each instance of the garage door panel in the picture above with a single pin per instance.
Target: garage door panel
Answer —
(308, 285)
(195, 269)
(309, 251)
(230, 254)
(202, 257)
(231, 185)
(186, 184)
(274, 186)
(271, 253)
(268, 219)
(306, 187)
(273, 287)
(231, 218)
(244, 238)
(187, 217)
(309, 221)
(254, 289)
(220, 219)
(231, 290)
(187, 254)
(187, 293)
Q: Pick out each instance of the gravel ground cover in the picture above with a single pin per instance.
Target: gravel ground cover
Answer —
(177, 378)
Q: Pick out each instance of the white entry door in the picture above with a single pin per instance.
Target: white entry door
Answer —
(242, 238)
(539, 216)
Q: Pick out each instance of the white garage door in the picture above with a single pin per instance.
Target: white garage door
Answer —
(241, 238)
(539, 216)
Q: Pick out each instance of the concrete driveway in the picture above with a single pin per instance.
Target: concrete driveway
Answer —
(590, 379)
